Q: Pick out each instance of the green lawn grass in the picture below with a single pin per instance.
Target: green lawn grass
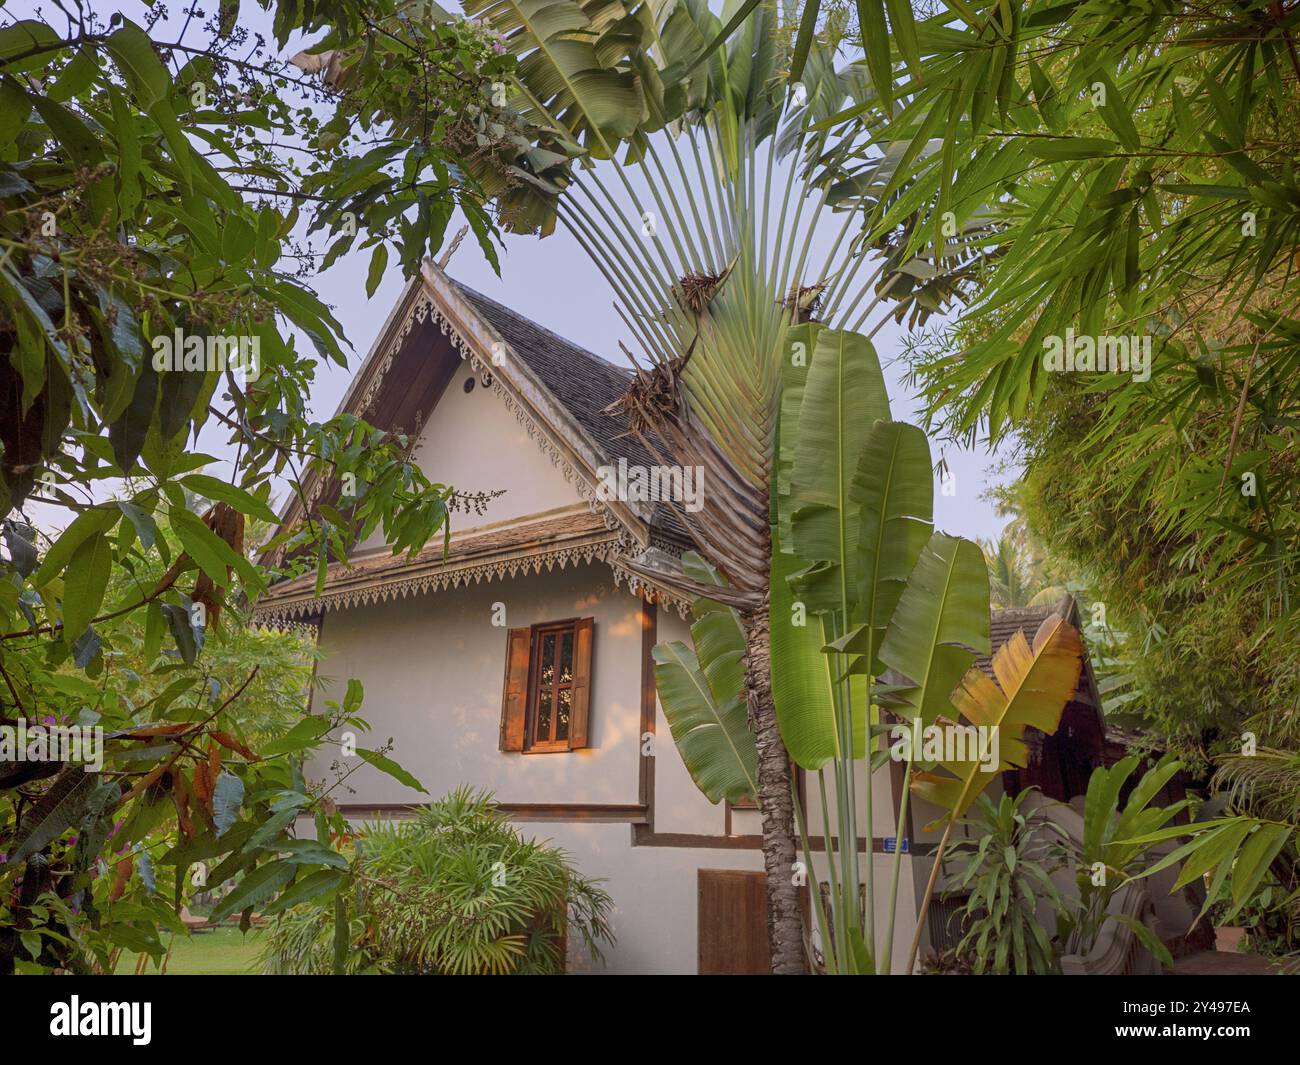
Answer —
(223, 951)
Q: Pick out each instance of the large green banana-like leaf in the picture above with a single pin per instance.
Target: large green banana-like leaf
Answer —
(844, 396)
(940, 624)
(717, 634)
(801, 342)
(713, 737)
(894, 481)
(801, 674)
(802, 681)
(573, 75)
(702, 693)
(1034, 684)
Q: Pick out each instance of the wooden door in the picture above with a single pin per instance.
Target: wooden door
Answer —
(733, 923)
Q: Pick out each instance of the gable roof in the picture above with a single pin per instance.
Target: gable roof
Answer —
(585, 383)
(556, 388)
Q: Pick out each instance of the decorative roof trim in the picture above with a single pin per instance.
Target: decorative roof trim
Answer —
(302, 609)
(420, 580)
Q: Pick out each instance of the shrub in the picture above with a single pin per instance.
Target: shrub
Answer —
(453, 890)
(1007, 869)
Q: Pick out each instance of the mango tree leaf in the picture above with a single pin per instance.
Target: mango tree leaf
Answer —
(85, 525)
(305, 890)
(221, 492)
(227, 798)
(386, 765)
(85, 583)
(261, 883)
(303, 735)
(141, 68)
(56, 811)
(310, 852)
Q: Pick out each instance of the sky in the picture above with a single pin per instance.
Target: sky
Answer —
(553, 282)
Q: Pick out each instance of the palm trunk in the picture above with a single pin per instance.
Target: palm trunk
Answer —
(784, 919)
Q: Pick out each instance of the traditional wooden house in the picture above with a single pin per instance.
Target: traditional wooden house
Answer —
(521, 661)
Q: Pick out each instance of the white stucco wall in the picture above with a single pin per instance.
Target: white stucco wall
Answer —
(433, 669)
(655, 891)
(473, 443)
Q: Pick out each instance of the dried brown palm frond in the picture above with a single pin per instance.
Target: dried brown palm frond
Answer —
(802, 301)
(656, 413)
(654, 394)
(695, 290)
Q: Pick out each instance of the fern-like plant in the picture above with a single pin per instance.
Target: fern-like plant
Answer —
(453, 890)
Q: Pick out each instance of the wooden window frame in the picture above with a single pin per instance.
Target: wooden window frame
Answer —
(523, 685)
(532, 745)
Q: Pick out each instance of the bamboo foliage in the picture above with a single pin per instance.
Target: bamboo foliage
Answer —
(1128, 171)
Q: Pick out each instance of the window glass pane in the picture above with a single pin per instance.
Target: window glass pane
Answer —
(544, 715)
(562, 715)
(566, 658)
(548, 660)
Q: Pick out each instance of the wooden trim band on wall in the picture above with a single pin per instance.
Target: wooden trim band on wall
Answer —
(644, 836)
(645, 786)
(521, 811)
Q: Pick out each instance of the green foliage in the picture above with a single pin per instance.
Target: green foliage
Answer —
(702, 693)
(151, 287)
(1246, 844)
(852, 538)
(453, 890)
(1130, 174)
(1006, 865)
(1117, 847)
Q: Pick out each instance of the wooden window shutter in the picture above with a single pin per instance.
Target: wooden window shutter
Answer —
(582, 645)
(514, 701)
